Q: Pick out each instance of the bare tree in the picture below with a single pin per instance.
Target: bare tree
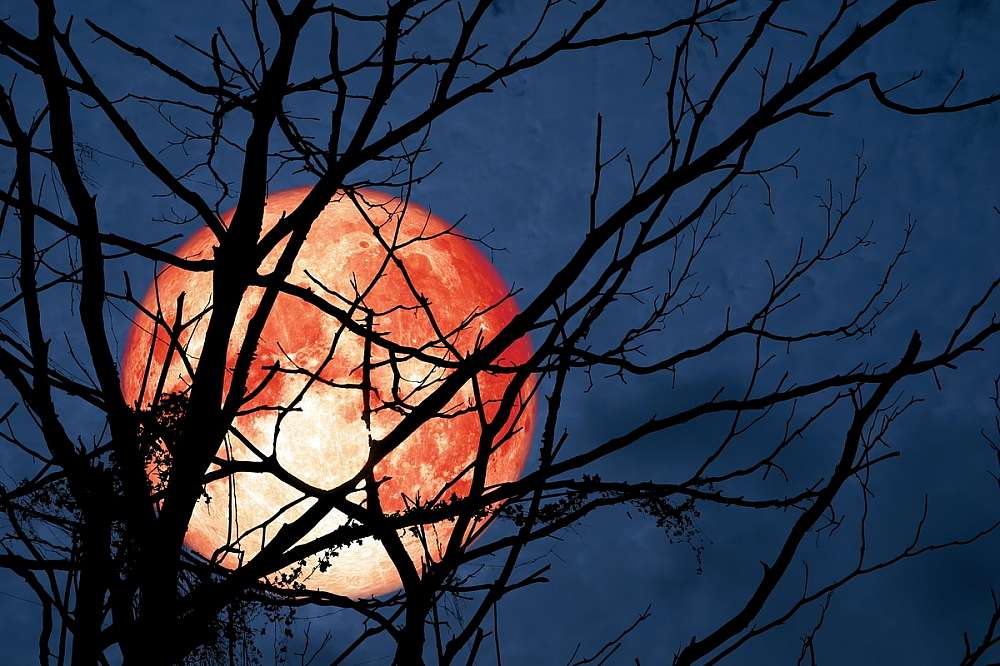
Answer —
(97, 528)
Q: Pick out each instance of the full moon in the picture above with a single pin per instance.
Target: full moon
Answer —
(308, 362)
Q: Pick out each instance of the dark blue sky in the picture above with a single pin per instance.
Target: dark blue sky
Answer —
(519, 162)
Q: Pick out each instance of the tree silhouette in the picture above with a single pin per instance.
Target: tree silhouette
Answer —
(97, 527)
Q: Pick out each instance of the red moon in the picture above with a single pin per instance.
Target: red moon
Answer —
(325, 440)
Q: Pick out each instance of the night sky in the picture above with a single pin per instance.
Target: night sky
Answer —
(519, 162)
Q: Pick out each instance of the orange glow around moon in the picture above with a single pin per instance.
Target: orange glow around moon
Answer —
(324, 441)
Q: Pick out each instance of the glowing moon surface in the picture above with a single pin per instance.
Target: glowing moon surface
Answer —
(324, 441)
